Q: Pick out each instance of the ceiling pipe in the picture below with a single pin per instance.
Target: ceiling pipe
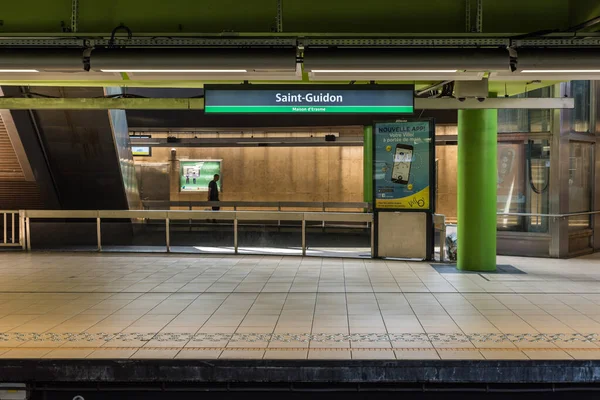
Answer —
(411, 59)
(561, 60)
(341, 64)
(194, 59)
(41, 59)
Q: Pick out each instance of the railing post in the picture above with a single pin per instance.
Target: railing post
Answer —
(99, 233)
(12, 227)
(168, 235)
(28, 231)
(235, 234)
(373, 237)
(443, 242)
(22, 230)
(303, 236)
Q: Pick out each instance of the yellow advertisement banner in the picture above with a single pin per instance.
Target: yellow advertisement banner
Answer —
(417, 201)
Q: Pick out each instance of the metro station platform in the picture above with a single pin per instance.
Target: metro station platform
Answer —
(133, 306)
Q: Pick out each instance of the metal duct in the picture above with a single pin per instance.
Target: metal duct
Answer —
(373, 59)
(576, 60)
(194, 59)
(41, 59)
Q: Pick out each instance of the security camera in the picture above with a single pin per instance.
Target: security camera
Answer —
(461, 99)
(481, 99)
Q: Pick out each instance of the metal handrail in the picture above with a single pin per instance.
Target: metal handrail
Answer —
(567, 215)
(278, 205)
(262, 204)
(167, 215)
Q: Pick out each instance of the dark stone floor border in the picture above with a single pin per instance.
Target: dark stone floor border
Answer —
(501, 269)
(282, 372)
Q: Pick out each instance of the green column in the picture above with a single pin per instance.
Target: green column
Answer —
(368, 164)
(477, 180)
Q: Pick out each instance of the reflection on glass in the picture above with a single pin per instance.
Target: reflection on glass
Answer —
(538, 183)
(522, 186)
(580, 184)
(446, 181)
(523, 183)
(580, 115)
(515, 120)
(510, 184)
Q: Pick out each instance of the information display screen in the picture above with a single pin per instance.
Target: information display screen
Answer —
(309, 99)
(403, 165)
(140, 151)
(195, 175)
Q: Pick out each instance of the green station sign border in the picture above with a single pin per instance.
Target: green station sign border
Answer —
(309, 109)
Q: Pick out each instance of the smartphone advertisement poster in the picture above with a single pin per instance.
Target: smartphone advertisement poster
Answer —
(402, 172)
(195, 175)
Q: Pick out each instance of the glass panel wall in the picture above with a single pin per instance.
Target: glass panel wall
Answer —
(580, 116)
(581, 157)
(538, 184)
(523, 183)
(510, 184)
(446, 181)
(523, 121)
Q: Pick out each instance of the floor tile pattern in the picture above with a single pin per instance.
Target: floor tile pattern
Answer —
(86, 305)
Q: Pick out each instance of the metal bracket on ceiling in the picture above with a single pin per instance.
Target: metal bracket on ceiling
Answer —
(74, 15)
(167, 41)
(590, 41)
(479, 17)
(513, 56)
(279, 16)
(468, 16)
(416, 42)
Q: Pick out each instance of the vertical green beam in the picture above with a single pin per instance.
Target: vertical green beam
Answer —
(477, 179)
(368, 164)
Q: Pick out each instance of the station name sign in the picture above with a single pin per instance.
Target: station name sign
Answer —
(309, 99)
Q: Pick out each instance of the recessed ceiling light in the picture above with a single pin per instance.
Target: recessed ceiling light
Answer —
(386, 71)
(18, 70)
(560, 71)
(176, 70)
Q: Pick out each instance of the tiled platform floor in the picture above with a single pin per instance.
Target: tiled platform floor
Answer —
(85, 305)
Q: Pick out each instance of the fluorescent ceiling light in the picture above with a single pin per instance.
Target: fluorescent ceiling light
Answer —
(560, 71)
(385, 71)
(175, 70)
(18, 70)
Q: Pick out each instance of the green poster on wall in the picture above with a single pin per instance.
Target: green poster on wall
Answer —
(194, 175)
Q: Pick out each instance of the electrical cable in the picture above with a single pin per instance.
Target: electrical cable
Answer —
(587, 24)
(572, 29)
(111, 42)
(31, 95)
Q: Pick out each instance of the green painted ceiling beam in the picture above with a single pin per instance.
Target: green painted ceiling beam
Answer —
(12, 103)
(289, 34)
(511, 87)
(225, 16)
